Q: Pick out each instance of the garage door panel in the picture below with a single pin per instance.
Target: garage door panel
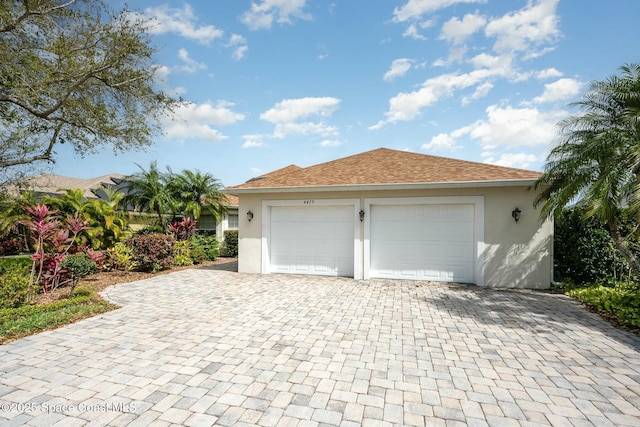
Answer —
(312, 240)
(422, 241)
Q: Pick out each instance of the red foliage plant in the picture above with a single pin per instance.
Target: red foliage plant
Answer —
(54, 239)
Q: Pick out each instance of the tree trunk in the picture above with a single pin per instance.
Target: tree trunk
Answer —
(623, 246)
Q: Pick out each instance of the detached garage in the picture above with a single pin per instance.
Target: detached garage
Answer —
(396, 215)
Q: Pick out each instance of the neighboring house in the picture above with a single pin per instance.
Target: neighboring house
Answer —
(398, 215)
(52, 185)
(229, 222)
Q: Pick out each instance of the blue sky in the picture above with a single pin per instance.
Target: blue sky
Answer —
(276, 82)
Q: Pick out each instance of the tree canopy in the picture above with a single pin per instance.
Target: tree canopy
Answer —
(75, 72)
(596, 162)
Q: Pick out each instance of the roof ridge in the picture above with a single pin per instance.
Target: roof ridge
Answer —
(388, 166)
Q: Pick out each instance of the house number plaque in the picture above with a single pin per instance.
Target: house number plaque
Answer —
(309, 202)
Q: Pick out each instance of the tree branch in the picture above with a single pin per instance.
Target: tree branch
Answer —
(46, 155)
(28, 12)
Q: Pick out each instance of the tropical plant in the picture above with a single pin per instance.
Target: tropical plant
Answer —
(596, 163)
(147, 191)
(184, 229)
(106, 223)
(182, 253)
(194, 191)
(120, 257)
(71, 202)
(12, 213)
(204, 248)
(54, 239)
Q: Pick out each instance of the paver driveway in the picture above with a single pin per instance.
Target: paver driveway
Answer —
(203, 347)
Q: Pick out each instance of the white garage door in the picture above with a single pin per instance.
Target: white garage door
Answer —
(423, 242)
(312, 240)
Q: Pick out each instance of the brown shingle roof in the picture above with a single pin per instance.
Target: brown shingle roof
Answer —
(232, 200)
(278, 172)
(385, 166)
(57, 184)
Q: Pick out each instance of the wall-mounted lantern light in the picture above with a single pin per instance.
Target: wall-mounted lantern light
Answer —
(249, 216)
(516, 214)
(361, 213)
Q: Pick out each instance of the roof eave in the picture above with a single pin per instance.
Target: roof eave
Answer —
(372, 187)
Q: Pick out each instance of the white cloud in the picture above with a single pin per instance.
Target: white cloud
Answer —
(287, 113)
(179, 21)
(456, 31)
(511, 127)
(262, 15)
(504, 127)
(514, 160)
(161, 77)
(330, 143)
(239, 45)
(196, 120)
(524, 29)
(414, 9)
(549, 73)
(440, 142)
(480, 92)
(240, 52)
(252, 141)
(399, 67)
(412, 32)
(559, 90)
(283, 130)
(191, 66)
(289, 110)
(407, 105)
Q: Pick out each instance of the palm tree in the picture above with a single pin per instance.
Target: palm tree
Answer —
(147, 191)
(195, 190)
(597, 160)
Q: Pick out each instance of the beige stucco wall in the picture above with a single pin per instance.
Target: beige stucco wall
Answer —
(514, 255)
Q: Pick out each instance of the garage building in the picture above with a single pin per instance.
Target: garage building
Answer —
(396, 215)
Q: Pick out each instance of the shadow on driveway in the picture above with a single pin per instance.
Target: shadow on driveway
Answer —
(527, 311)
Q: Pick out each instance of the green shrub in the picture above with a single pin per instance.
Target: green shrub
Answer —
(182, 253)
(79, 265)
(584, 252)
(622, 300)
(120, 257)
(22, 262)
(152, 252)
(204, 247)
(231, 242)
(14, 282)
(14, 289)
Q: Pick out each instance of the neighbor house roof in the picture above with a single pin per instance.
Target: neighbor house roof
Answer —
(232, 200)
(57, 184)
(385, 166)
(51, 184)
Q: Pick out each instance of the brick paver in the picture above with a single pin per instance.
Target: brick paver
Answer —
(200, 347)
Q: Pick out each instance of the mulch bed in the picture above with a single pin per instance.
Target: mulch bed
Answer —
(99, 281)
